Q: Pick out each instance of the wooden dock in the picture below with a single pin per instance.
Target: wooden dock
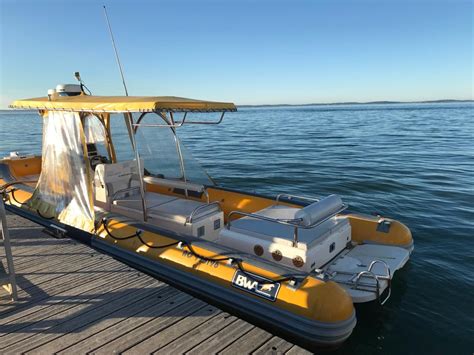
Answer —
(75, 300)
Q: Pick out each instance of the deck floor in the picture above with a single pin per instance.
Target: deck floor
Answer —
(75, 300)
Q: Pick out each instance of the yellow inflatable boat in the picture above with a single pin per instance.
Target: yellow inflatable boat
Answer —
(114, 175)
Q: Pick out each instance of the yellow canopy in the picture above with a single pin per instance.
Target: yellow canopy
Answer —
(89, 103)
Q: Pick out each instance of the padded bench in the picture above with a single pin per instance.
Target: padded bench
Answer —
(117, 189)
(275, 241)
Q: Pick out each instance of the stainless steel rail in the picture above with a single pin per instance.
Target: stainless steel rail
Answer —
(181, 123)
(357, 284)
(197, 209)
(304, 198)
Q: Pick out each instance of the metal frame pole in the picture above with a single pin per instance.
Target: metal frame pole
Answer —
(12, 289)
(180, 154)
(129, 122)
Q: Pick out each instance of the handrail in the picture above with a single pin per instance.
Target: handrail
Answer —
(387, 269)
(377, 278)
(387, 277)
(127, 189)
(289, 196)
(371, 275)
(200, 122)
(177, 184)
(178, 124)
(191, 216)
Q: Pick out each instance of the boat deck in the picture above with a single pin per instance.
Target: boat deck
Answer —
(75, 300)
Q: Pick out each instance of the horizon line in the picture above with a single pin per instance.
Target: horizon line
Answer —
(380, 102)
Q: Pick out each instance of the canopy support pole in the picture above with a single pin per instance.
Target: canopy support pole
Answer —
(129, 122)
(180, 154)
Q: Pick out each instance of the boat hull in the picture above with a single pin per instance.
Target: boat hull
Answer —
(306, 332)
(314, 313)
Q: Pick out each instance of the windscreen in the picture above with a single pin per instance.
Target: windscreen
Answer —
(161, 152)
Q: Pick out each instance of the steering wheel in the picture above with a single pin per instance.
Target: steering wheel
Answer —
(98, 159)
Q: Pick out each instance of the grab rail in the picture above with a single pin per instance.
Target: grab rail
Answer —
(127, 189)
(369, 273)
(177, 184)
(178, 124)
(387, 277)
(289, 196)
(191, 216)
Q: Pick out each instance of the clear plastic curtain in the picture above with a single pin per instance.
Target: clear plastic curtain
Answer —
(64, 189)
(94, 130)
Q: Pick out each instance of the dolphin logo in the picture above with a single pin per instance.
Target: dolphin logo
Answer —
(267, 287)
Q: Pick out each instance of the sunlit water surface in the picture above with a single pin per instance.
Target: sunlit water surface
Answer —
(412, 162)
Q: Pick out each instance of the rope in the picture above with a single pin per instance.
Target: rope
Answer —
(44, 217)
(266, 281)
(238, 262)
(12, 192)
(22, 182)
(189, 246)
(138, 235)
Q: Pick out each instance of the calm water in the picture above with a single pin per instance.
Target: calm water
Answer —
(411, 162)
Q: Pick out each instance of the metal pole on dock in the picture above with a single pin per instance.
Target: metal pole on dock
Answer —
(8, 280)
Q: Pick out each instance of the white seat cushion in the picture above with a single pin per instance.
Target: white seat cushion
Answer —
(152, 199)
(179, 210)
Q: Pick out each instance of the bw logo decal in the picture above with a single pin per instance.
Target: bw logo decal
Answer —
(256, 285)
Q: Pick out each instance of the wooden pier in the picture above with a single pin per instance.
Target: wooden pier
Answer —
(72, 299)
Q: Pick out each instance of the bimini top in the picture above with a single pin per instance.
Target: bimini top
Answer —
(89, 103)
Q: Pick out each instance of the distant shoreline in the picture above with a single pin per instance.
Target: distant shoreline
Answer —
(444, 101)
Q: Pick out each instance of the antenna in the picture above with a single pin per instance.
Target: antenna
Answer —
(115, 50)
(77, 75)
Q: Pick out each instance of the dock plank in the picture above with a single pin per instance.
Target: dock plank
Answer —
(223, 338)
(152, 327)
(105, 335)
(28, 338)
(63, 301)
(274, 345)
(180, 330)
(296, 350)
(188, 339)
(104, 323)
(245, 345)
(49, 285)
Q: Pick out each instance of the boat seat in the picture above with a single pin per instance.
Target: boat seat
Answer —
(284, 234)
(117, 187)
(135, 202)
(181, 210)
(274, 241)
(116, 181)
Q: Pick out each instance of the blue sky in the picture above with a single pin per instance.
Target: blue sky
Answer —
(248, 52)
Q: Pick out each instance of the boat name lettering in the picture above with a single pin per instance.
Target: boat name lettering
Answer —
(256, 285)
(188, 254)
